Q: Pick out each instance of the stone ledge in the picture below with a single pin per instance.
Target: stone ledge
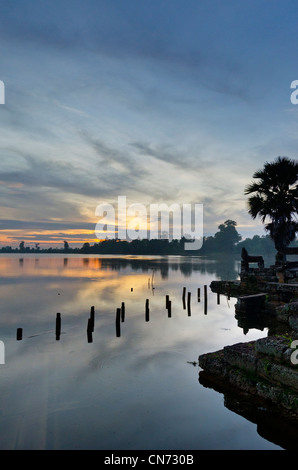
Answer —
(278, 373)
(276, 347)
(241, 355)
(290, 308)
(262, 368)
(250, 304)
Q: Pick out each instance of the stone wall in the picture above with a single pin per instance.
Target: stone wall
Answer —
(262, 368)
(255, 280)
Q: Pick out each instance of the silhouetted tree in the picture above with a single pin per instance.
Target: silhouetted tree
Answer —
(86, 247)
(227, 237)
(275, 196)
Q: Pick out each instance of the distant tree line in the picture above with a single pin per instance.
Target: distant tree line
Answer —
(273, 196)
(226, 240)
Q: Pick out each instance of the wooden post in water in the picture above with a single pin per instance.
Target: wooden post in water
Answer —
(118, 315)
(218, 298)
(167, 300)
(92, 319)
(147, 310)
(188, 303)
(58, 326)
(183, 297)
(122, 311)
(19, 334)
(199, 294)
(89, 330)
(169, 308)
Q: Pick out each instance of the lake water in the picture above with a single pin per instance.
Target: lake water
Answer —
(136, 391)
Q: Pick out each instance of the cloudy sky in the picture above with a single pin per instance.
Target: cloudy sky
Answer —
(161, 101)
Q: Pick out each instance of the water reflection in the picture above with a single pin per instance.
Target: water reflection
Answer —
(228, 268)
(277, 429)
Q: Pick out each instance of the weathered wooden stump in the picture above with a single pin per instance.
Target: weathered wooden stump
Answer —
(19, 334)
(58, 326)
(118, 318)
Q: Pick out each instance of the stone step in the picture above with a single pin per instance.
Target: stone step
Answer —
(251, 303)
(262, 367)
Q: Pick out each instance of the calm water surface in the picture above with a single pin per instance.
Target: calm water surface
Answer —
(137, 391)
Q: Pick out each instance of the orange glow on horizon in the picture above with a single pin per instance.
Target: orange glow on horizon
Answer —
(14, 237)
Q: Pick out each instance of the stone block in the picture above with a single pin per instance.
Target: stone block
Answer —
(278, 373)
(273, 346)
(251, 303)
(293, 322)
(241, 355)
(213, 363)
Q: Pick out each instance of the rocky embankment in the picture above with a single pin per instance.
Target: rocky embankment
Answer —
(262, 368)
(266, 369)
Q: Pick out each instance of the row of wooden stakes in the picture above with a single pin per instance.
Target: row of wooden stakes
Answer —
(90, 327)
(120, 314)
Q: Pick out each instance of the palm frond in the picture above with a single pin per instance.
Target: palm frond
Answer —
(274, 195)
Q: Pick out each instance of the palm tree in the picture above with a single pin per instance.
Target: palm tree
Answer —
(275, 196)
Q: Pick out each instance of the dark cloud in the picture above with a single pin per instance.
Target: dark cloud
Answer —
(157, 33)
(121, 170)
(9, 224)
(108, 156)
(69, 177)
(186, 159)
(139, 98)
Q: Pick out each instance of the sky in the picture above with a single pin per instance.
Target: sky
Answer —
(160, 101)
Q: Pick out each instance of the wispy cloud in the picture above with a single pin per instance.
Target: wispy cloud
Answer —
(173, 101)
